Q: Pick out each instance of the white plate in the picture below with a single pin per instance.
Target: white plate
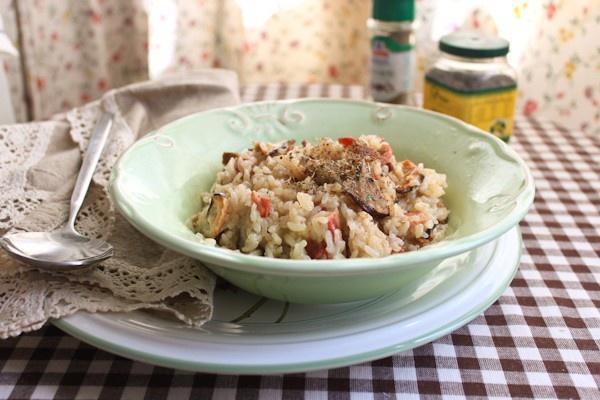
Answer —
(250, 335)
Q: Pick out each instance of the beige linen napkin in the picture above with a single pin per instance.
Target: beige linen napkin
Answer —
(38, 166)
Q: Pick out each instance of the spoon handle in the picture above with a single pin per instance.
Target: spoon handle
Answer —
(88, 166)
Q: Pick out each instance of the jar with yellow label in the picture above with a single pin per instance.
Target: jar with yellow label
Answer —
(473, 81)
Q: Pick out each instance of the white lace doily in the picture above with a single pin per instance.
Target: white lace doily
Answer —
(38, 165)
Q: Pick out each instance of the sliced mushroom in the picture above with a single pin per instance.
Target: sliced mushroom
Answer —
(411, 178)
(423, 241)
(283, 148)
(323, 171)
(409, 186)
(316, 250)
(214, 222)
(228, 156)
(429, 231)
(261, 149)
(368, 196)
(361, 151)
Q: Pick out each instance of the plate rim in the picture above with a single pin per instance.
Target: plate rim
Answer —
(332, 362)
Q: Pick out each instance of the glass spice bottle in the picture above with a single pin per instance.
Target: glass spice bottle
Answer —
(472, 80)
(392, 58)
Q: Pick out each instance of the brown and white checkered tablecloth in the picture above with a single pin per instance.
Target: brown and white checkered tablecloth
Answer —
(540, 339)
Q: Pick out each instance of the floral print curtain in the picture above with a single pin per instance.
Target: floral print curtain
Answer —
(12, 65)
(292, 41)
(73, 50)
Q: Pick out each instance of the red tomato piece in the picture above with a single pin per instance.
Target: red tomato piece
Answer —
(333, 222)
(416, 217)
(346, 141)
(386, 153)
(262, 203)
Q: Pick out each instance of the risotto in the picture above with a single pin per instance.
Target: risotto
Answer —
(341, 198)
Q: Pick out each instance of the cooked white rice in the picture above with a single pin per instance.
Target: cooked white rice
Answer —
(335, 199)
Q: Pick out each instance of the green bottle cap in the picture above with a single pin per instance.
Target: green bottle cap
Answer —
(473, 45)
(394, 10)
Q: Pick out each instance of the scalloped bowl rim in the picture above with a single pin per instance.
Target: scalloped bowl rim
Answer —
(239, 261)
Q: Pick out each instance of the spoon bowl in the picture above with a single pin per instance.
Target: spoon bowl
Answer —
(59, 250)
(66, 249)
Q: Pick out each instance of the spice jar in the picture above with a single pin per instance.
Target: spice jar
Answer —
(473, 81)
(392, 61)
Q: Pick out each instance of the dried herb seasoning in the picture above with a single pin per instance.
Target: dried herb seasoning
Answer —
(393, 58)
(472, 81)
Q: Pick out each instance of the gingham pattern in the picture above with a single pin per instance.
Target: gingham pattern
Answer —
(540, 339)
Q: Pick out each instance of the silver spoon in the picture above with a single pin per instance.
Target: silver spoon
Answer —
(66, 249)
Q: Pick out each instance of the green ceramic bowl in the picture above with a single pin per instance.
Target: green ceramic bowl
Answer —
(156, 183)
